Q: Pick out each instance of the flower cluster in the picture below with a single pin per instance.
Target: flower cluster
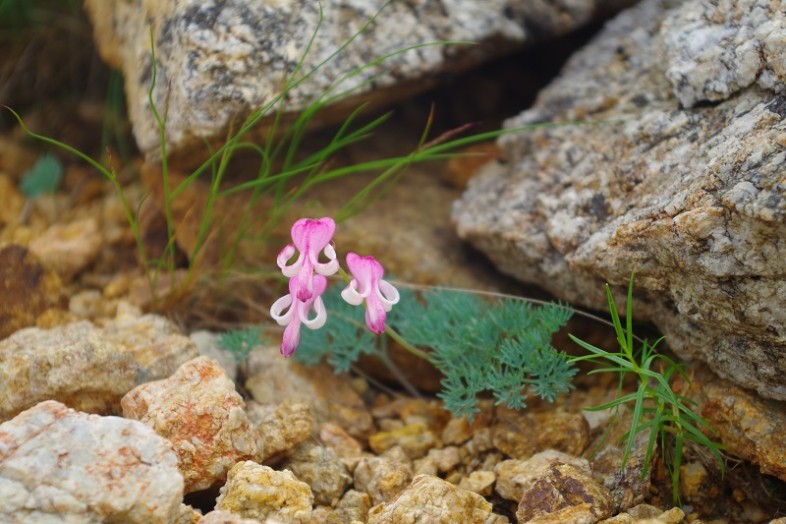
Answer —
(307, 282)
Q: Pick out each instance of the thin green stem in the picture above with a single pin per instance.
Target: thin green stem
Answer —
(393, 334)
(161, 121)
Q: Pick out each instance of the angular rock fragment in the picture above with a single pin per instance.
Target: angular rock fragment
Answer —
(282, 428)
(750, 427)
(60, 465)
(68, 248)
(627, 485)
(320, 468)
(259, 492)
(515, 477)
(382, 478)
(416, 439)
(274, 380)
(431, 499)
(28, 289)
(445, 459)
(353, 506)
(346, 447)
(199, 411)
(225, 517)
(480, 482)
(521, 435)
(564, 494)
(646, 514)
(208, 344)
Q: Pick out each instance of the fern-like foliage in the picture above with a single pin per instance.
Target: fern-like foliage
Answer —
(502, 348)
(241, 342)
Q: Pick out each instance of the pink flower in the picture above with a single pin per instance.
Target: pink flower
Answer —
(310, 237)
(367, 284)
(291, 311)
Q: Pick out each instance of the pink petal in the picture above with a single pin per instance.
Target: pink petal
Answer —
(319, 285)
(375, 315)
(291, 338)
(311, 236)
(305, 281)
(366, 271)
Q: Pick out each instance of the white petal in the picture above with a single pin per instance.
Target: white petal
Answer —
(319, 320)
(292, 269)
(277, 310)
(350, 294)
(331, 266)
(388, 294)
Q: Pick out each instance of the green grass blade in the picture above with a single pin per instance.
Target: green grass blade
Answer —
(635, 418)
(100, 168)
(615, 319)
(675, 469)
(617, 401)
(629, 313)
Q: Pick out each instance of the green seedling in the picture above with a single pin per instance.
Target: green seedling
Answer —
(657, 409)
(41, 179)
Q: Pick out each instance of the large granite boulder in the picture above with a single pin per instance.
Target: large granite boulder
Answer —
(220, 60)
(681, 181)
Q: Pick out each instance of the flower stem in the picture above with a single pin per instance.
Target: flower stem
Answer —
(343, 274)
(392, 333)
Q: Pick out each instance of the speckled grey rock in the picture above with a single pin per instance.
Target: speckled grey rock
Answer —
(716, 49)
(88, 367)
(691, 200)
(60, 465)
(220, 60)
